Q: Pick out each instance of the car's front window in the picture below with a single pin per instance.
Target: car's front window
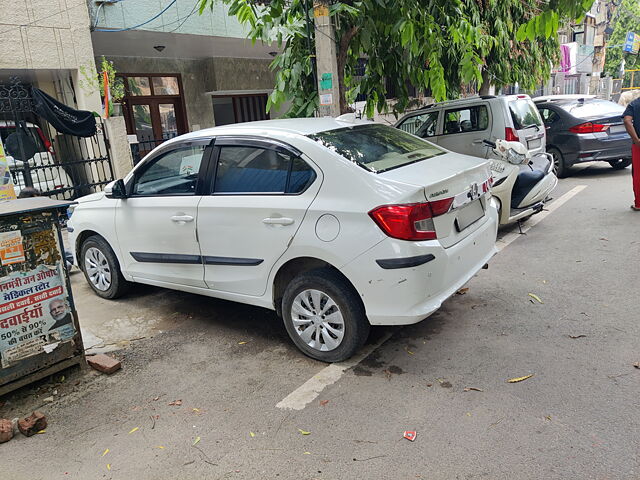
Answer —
(376, 147)
(173, 173)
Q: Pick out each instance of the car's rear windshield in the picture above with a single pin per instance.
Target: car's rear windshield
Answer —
(524, 114)
(593, 108)
(376, 147)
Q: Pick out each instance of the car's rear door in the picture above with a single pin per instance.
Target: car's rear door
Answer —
(260, 193)
(465, 127)
(156, 224)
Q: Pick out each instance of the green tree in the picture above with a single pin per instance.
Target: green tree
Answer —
(435, 45)
(627, 19)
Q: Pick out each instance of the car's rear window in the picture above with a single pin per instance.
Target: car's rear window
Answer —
(376, 147)
(593, 108)
(524, 114)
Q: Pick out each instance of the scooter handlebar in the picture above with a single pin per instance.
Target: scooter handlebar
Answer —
(489, 143)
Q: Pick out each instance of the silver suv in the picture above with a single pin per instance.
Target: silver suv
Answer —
(461, 125)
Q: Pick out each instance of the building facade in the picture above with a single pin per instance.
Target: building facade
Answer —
(183, 71)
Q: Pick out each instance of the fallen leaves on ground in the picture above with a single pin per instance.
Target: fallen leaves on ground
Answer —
(472, 389)
(175, 403)
(196, 441)
(251, 434)
(323, 402)
(409, 351)
(462, 291)
(307, 453)
(105, 452)
(636, 364)
(135, 429)
(241, 343)
(577, 336)
(519, 379)
(304, 432)
(109, 466)
(535, 297)
(160, 447)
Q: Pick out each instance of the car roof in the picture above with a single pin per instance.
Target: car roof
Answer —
(474, 98)
(296, 126)
(562, 98)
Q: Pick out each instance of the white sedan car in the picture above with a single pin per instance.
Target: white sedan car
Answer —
(337, 226)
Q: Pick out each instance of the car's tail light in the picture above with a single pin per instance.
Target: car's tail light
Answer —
(589, 127)
(412, 221)
(510, 135)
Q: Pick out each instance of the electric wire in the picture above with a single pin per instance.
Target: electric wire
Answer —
(140, 24)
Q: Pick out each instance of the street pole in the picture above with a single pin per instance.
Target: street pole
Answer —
(326, 61)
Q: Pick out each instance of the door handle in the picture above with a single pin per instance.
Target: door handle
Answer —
(278, 221)
(182, 218)
(477, 141)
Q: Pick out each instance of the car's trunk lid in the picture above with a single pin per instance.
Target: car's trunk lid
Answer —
(454, 176)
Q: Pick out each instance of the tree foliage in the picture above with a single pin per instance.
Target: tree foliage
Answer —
(434, 45)
(627, 19)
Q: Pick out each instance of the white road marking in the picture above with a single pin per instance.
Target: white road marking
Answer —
(309, 390)
(553, 206)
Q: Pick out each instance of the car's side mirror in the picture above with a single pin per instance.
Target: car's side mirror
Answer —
(116, 189)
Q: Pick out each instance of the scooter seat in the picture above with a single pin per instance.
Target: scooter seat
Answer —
(526, 180)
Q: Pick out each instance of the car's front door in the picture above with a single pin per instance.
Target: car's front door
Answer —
(156, 224)
(464, 129)
(260, 194)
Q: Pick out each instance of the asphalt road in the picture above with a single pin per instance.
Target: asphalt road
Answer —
(576, 417)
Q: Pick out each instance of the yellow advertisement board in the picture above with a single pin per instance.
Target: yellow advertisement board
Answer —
(7, 192)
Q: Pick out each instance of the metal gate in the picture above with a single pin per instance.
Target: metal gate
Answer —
(58, 165)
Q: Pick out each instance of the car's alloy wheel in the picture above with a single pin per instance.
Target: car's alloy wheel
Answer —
(324, 315)
(317, 320)
(558, 163)
(97, 268)
(101, 268)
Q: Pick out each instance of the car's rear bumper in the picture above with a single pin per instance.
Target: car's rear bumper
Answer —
(599, 147)
(406, 295)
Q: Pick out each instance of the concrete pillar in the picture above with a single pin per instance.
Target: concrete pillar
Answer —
(121, 159)
(326, 61)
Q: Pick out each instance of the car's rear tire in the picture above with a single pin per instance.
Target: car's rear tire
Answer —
(620, 163)
(559, 167)
(335, 328)
(101, 268)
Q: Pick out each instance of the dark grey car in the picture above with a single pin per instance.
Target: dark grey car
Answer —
(584, 129)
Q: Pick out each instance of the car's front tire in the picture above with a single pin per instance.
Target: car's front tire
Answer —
(101, 268)
(324, 316)
(620, 163)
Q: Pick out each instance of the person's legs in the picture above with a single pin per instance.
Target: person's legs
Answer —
(635, 173)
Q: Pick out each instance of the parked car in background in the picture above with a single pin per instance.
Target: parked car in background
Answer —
(463, 125)
(469, 125)
(46, 176)
(337, 226)
(582, 128)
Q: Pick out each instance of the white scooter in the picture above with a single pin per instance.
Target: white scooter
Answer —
(521, 183)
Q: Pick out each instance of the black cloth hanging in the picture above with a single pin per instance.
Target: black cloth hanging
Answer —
(64, 119)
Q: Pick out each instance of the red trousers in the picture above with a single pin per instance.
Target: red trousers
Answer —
(635, 173)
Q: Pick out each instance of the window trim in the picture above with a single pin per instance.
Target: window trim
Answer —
(466, 107)
(163, 150)
(258, 142)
